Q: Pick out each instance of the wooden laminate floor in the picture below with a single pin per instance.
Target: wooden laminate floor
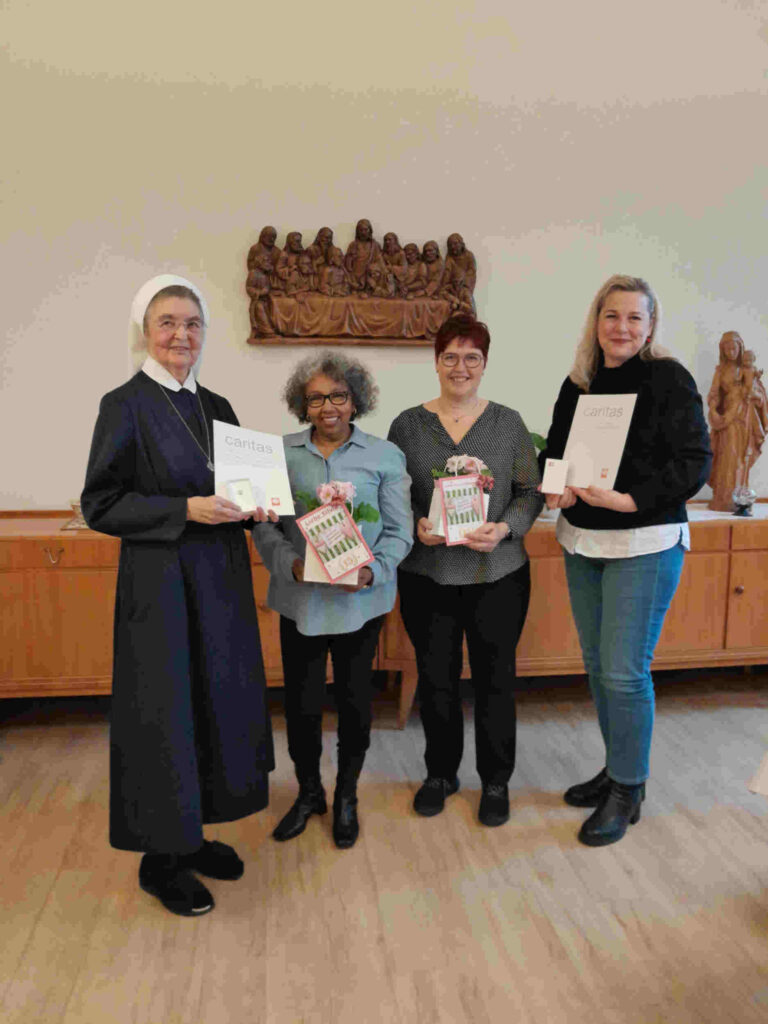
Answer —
(424, 920)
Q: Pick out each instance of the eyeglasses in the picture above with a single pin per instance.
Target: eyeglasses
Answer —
(471, 360)
(317, 400)
(168, 325)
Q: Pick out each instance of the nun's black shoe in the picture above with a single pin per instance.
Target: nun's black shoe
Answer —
(214, 859)
(177, 889)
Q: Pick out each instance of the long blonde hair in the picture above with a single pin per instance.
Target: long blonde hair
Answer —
(587, 359)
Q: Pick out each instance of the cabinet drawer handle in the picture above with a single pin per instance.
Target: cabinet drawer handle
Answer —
(54, 559)
(738, 590)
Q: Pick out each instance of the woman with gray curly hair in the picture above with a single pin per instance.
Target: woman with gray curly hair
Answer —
(357, 380)
(328, 392)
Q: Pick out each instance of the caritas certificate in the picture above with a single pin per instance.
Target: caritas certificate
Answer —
(463, 506)
(597, 438)
(250, 469)
(332, 535)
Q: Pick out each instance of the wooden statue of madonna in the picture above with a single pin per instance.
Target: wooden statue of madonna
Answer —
(738, 420)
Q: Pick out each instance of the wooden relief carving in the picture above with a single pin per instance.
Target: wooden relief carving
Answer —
(738, 420)
(370, 294)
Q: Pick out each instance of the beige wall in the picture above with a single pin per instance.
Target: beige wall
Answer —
(566, 143)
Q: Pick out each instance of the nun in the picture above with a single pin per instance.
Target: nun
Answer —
(190, 740)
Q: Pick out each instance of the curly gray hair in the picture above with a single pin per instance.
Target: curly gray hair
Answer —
(340, 368)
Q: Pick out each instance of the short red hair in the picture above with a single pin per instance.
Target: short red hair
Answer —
(463, 326)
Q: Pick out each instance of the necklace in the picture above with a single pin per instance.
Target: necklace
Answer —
(206, 454)
(463, 415)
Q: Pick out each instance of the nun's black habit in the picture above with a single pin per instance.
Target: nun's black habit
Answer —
(190, 737)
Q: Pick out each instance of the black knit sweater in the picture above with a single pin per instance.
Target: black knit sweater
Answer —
(667, 456)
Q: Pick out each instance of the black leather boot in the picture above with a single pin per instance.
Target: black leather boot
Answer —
(619, 807)
(346, 827)
(588, 794)
(311, 800)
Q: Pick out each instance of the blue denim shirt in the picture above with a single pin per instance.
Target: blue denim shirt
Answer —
(377, 469)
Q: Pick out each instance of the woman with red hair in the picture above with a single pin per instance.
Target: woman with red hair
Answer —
(479, 589)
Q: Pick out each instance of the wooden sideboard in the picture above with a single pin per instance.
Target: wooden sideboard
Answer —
(57, 601)
(57, 592)
(719, 615)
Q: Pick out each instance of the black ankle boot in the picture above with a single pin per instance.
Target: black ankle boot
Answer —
(346, 827)
(619, 807)
(588, 794)
(311, 800)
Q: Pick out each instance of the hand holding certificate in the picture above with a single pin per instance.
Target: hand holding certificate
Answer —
(597, 438)
(251, 469)
(594, 448)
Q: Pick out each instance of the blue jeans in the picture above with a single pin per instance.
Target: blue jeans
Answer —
(619, 606)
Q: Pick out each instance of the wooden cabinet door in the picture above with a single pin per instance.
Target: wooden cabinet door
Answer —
(14, 626)
(394, 644)
(748, 600)
(696, 618)
(57, 600)
(549, 643)
(57, 631)
(71, 616)
(269, 627)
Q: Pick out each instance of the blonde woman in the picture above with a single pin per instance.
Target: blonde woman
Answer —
(624, 547)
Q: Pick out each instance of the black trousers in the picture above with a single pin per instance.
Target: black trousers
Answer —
(492, 615)
(304, 662)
